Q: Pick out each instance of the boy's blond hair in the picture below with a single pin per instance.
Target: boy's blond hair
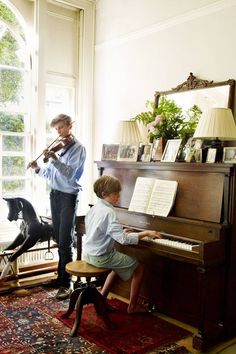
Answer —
(106, 184)
(61, 118)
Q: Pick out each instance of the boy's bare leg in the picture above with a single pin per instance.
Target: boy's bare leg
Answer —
(134, 290)
(108, 283)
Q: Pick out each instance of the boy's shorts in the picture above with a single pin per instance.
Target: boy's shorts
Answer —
(119, 262)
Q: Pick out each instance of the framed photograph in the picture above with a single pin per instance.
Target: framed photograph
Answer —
(229, 154)
(190, 148)
(198, 155)
(157, 149)
(211, 155)
(190, 155)
(147, 153)
(171, 150)
(110, 151)
(128, 152)
(198, 144)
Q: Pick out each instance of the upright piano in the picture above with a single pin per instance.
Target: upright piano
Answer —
(191, 274)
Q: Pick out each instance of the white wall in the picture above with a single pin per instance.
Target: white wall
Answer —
(143, 46)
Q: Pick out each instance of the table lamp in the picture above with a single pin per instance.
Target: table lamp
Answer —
(216, 125)
(129, 132)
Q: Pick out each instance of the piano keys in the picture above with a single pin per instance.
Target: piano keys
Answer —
(174, 241)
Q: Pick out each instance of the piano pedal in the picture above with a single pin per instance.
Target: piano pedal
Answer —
(146, 304)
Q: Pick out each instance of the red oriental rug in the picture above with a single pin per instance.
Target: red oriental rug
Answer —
(136, 333)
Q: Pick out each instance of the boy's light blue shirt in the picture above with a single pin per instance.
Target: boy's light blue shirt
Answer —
(64, 174)
(102, 229)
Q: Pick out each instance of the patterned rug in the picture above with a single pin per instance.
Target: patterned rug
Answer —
(29, 325)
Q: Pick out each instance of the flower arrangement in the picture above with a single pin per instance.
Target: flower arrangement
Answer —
(168, 120)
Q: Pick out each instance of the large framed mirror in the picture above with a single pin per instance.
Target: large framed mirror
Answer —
(203, 93)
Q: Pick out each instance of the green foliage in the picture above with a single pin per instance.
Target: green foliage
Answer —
(191, 121)
(8, 48)
(8, 16)
(10, 80)
(13, 143)
(168, 120)
(13, 187)
(11, 122)
(10, 86)
(13, 165)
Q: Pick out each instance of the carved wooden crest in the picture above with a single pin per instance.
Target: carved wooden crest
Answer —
(193, 82)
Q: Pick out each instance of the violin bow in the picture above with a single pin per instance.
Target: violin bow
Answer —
(47, 148)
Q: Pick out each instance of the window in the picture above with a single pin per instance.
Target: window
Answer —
(14, 111)
(40, 76)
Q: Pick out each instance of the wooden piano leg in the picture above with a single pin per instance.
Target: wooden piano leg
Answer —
(198, 339)
(206, 337)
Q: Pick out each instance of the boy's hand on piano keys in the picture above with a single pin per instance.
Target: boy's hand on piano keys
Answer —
(149, 233)
(128, 230)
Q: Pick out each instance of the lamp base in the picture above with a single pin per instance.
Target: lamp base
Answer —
(218, 145)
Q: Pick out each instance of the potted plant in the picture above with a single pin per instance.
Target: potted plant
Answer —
(168, 120)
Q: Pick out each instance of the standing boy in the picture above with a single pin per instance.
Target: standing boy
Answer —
(62, 173)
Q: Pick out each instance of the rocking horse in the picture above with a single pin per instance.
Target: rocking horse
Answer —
(32, 230)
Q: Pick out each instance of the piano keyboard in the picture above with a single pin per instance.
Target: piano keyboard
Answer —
(171, 242)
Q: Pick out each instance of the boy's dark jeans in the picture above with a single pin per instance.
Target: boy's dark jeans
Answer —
(63, 209)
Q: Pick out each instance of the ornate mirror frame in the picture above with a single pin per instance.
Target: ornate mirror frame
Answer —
(194, 84)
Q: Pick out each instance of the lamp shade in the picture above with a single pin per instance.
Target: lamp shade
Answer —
(216, 123)
(129, 132)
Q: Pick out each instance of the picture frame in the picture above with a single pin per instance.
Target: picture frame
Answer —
(198, 155)
(191, 149)
(190, 156)
(157, 149)
(110, 152)
(171, 150)
(198, 144)
(128, 152)
(211, 155)
(229, 154)
(146, 152)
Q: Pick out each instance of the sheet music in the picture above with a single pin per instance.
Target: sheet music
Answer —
(153, 196)
(141, 195)
(162, 197)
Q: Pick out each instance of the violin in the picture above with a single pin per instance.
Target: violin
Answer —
(62, 143)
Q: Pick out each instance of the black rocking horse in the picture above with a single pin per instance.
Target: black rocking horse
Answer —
(32, 230)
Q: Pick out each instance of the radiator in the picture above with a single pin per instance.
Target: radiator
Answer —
(32, 256)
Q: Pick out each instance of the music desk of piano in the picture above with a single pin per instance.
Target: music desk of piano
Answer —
(191, 276)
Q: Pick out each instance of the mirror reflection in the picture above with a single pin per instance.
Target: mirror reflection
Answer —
(204, 99)
(203, 93)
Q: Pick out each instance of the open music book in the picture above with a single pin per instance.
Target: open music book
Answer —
(153, 196)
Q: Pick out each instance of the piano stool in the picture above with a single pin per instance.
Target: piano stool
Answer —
(86, 293)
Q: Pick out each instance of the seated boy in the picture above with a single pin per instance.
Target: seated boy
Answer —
(102, 230)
